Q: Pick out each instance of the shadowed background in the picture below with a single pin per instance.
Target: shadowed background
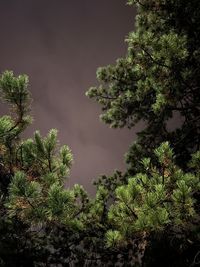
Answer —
(60, 44)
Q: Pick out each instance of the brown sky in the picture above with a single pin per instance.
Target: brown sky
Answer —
(60, 44)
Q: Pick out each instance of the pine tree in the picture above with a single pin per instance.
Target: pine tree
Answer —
(157, 79)
(42, 222)
(32, 187)
(156, 82)
(148, 216)
(160, 200)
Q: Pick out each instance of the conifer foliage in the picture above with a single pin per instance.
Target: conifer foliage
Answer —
(156, 83)
(147, 216)
(33, 173)
(158, 78)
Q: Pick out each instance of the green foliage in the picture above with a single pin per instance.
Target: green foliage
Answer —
(158, 77)
(148, 216)
(113, 238)
(32, 184)
(161, 197)
(158, 197)
(14, 90)
(41, 156)
(37, 195)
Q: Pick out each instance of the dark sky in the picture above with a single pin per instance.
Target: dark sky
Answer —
(60, 44)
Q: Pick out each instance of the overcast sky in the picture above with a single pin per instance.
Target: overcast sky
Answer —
(60, 44)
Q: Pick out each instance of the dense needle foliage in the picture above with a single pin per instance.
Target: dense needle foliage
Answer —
(157, 82)
(148, 216)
